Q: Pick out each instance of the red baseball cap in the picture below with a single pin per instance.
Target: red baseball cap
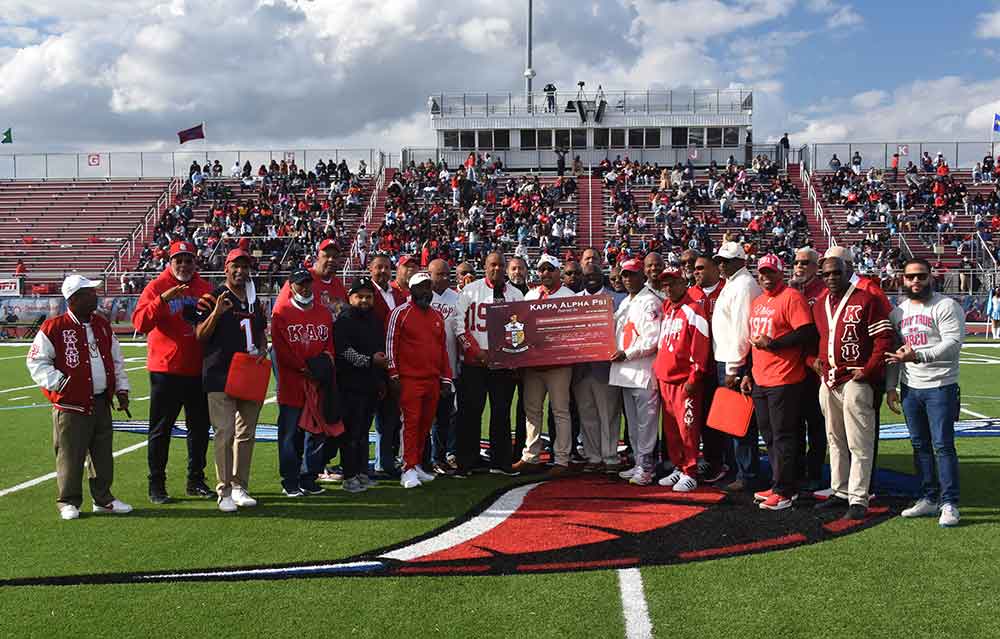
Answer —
(634, 265)
(668, 273)
(406, 259)
(236, 254)
(180, 248)
(327, 243)
(771, 262)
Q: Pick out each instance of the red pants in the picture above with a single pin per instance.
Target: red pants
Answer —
(418, 399)
(683, 416)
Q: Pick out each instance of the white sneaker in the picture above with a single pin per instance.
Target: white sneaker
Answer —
(410, 479)
(949, 516)
(115, 507)
(685, 484)
(227, 505)
(923, 508)
(68, 511)
(241, 497)
(641, 478)
(423, 475)
(671, 479)
(627, 474)
(823, 495)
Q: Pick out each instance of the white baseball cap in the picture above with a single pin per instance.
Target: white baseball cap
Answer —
(548, 259)
(419, 278)
(75, 282)
(731, 251)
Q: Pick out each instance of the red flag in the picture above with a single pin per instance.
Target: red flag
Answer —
(194, 133)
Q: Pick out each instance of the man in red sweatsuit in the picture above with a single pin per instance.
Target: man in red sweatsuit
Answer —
(301, 328)
(681, 366)
(419, 368)
(174, 358)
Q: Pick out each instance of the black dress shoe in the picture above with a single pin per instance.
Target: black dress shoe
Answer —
(830, 503)
(856, 512)
(198, 488)
(158, 494)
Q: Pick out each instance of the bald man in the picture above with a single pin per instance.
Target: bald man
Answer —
(464, 273)
(652, 266)
(445, 301)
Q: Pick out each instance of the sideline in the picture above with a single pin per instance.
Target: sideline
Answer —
(45, 478)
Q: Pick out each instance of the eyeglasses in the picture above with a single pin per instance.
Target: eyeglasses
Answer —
(571, 273)
(546, 267)
(802, 262)
(916, 276)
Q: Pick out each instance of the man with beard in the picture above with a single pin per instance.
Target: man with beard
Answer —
(445, 302)
(479, 382)
(327, 287)
(813, 432)
(173, 359)
(854, 335)
(688, 259)
(931, 327)
(599, 403)
(708, 284)
(419, 369)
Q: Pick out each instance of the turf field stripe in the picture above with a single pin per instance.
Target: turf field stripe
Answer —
(638, 625)
(19, 388)
(19, 397)
(45, 478)
(290, 571)
(973, 413)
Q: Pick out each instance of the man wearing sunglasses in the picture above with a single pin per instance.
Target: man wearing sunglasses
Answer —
(931, 327)
(174, 357)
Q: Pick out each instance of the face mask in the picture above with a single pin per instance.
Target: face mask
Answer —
(424, 300)
(302, 301)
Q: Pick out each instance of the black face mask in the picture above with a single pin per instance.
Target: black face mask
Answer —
(423, 300)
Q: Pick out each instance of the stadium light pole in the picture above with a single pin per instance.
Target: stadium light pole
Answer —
(529, 73)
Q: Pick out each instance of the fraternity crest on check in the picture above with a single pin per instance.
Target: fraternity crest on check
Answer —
(514, 339)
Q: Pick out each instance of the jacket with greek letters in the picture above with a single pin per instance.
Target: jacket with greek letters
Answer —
(297, 335)
(859, 337)
(637, 331)
(685, 346)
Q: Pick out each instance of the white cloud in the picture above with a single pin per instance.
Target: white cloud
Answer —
(988, 25)
(869, 99)
(843, 18)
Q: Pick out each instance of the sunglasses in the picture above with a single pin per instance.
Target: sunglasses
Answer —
(802, 262)
(184, 260)
(916, 276)
(546, 267)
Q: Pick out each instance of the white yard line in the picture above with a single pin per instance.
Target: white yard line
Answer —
(18, 388)
(974, 414)
(19, 397)
(638, 625)
(45, 478)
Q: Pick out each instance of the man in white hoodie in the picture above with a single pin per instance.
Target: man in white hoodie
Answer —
(731, 346)
(637, 330)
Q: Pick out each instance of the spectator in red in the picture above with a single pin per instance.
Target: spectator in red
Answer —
(20, 270)
(420, 371)
(405, 269)
(781, 328)
(327, 288)
(810, 466)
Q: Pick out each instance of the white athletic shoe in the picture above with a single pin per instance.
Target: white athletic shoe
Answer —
(423, 475)
(242, 498)
(115, 507)
(627, 474)
(685, 484)
(823, 495)
(641, 478)
(410, 479)
(68, 512)
(227, 505)
(949, 516)
(671, 479)
(923, 508)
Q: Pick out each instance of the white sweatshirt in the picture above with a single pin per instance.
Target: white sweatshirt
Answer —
(731, 320)
(935, 330)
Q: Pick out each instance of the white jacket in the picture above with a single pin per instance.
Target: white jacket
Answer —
(731, 320)
(637, 332)
(469, 322)
(447, 304)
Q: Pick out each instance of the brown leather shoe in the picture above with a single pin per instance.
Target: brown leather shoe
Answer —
(527, 468)
(558, 471)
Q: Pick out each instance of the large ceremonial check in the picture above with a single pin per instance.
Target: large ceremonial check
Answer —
(552, 332)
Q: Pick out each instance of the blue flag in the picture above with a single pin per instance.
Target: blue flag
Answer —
(996, 121)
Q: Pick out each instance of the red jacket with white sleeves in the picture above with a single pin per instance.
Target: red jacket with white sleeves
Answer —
(415, 343)
(685, 346)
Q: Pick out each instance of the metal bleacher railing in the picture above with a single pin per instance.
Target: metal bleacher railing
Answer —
(959, 155)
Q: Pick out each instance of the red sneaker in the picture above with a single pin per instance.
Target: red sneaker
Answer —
(762, 495)
(776, 502)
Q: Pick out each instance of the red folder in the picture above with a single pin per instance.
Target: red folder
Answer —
(730, 412)
(247, 378)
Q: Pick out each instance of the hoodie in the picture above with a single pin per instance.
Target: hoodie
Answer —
(171, 344)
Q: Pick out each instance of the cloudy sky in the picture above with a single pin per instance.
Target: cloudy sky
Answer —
(117, 74)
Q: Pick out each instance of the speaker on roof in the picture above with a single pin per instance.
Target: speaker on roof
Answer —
(581, 110)
(600, 110)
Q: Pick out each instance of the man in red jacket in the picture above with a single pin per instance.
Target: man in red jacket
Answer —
(419, 368)
(301, 328)
(681, 367)
(327, 288)
(174, 358)
(78, 363)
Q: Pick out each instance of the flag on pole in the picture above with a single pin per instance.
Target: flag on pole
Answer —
(8, 137)
(194, 133)
(996, 122)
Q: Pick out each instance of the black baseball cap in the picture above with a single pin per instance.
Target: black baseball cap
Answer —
(361, 283)
(300, 276)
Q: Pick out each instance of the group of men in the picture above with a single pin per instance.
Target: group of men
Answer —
(410, 353)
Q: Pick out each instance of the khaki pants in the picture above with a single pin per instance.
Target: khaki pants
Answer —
(600, 407)
(83, 442)
(537, 383)
(850, 431)
(235, 424)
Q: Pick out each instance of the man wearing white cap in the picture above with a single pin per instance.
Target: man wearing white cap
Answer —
(551, 380)
(78, 363)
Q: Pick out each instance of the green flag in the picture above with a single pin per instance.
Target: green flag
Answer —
(8, 137)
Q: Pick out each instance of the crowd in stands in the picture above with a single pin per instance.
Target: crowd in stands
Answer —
(280, 212)
(463, 214)
(750, 203)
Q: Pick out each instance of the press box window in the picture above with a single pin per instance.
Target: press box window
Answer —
(562, 138)
(602, 138)
(451, 139)
(617, 138)
(730, 136)
(528, 139)
(579, 138)
(652, 138)
(696, 137)
(468, 139)
(545, 138)
(485, 139)
(501, 139)
(679, 137)
(635, 138)
(714, 137)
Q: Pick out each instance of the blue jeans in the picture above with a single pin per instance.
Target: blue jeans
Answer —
(930, 417)
(443, 431)
(745, 449)
(387, 435)
(290, 446)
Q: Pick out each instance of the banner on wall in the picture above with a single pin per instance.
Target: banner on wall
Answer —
(10, 287)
